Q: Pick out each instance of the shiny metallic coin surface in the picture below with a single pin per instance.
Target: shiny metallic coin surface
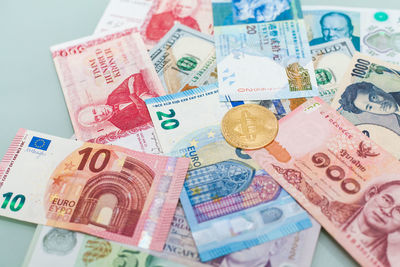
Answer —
(249, 126)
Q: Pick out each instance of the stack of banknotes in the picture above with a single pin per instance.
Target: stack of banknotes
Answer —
(149, 179)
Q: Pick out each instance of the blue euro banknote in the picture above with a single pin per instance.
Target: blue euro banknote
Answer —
(229, 202)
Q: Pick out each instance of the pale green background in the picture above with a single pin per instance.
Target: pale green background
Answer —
(31, 96)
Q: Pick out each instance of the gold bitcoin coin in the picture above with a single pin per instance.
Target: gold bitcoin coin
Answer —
(249, 126)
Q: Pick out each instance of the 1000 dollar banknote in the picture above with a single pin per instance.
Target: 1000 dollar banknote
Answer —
(349, 184)
(372, 31)
(184, 59)
(154, 18)
(330, 63)
(63, 248)
(262, 51)
(369, 97)
(107, 191)
(105, 80)
(230, 203)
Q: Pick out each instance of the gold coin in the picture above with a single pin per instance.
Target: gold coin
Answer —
(249, 126)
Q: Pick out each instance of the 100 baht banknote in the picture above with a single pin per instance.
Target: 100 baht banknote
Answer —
(184, 59)
(107, 191)
(262, 51)
(63, 248)
(369, 97)
(230, 203)
(375, 32)
(330, 62)
(154, 18)
(348, 183)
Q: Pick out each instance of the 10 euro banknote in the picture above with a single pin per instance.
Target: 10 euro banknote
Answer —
(348, 183)
(105, 79)
(106, 191)
(230, 203)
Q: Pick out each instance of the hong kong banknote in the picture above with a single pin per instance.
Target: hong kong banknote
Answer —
(230, 203)
(294, 250)
(369, 97)
(105, 80)
(375, 32)
(262, 50)
(107, 191)
(330, 63)
(154, 18)
(63, 248)
(347, 182)
(184, 59)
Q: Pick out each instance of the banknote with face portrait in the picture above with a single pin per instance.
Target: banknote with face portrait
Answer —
(369, 97)
(347, 182)
(154, 18)
(330, 62)
(375, 32)
(63, 248)
(229, 202)
(105, 79)
(107, 191)
(184, 59)
(262, 50)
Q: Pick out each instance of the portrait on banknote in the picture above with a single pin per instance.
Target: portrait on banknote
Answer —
(125, 107)
(325, 26)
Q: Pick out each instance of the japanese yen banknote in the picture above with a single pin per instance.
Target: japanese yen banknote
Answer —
(106, 191)
(63, 248)
(154, 18)
(294, 250)
(330, 62)
(105, 80)
(369, 97)
(348, 183)
(184, 59)
(262, 50)
(230, 203)
(375, 32)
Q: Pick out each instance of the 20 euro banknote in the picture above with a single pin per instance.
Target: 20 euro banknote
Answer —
(107, 191)
(348, 183)
(230, 203)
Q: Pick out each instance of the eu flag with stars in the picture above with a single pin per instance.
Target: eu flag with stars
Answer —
(39, 143)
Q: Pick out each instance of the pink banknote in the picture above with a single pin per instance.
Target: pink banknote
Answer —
(346, 181)
(107, 191)
(105, 80)
(154, 18)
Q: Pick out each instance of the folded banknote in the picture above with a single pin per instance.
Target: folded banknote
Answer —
(63, 248)
(369, 97)
(262, 50)
(229, 202)
(348, 183)
(154, 18)
(105, 79)
(375, 32)
(107, 191)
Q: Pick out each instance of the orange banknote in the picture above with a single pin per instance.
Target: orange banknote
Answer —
(107, 191)
(348, 183)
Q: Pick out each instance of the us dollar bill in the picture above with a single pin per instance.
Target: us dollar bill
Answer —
(330, 62)
(184, 59)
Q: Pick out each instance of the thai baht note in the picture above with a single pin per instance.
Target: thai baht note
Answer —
(347, 182)
(107, 191)
(229, 202)
(105, 80)
(262, 50)
(369, 97)
(330, 63)
(63, 248)
(154, 18)
(375, 32)
(184, 59)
